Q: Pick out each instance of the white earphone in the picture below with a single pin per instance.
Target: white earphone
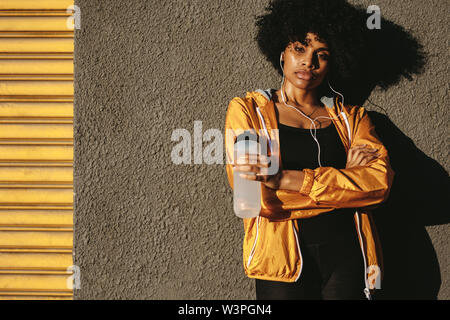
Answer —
(312, 121)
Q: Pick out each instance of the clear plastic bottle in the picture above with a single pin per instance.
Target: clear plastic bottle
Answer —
(247, 193)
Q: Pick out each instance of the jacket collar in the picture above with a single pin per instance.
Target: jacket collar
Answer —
(327, 100)
(265, 104)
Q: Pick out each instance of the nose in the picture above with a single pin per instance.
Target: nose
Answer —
(309, 61)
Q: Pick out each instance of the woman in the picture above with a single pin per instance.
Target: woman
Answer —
(315, 237)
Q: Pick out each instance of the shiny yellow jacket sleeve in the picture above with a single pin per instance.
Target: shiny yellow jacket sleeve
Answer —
(355, 187)
(237, 121)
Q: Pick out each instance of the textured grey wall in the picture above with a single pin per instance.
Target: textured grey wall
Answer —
(148, 229)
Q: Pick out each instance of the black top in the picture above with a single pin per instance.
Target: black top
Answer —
(298, 151)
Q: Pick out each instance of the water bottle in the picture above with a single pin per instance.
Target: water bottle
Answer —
(247, 193)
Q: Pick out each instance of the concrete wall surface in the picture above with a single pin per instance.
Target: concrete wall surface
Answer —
(146, 228)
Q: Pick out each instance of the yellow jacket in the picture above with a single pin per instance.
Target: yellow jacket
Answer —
(271, 249)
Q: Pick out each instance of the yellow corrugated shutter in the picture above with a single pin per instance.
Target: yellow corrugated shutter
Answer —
(36, 149)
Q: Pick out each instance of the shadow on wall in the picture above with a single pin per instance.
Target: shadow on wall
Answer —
(418, 198)
(419, 195)
(390, 54)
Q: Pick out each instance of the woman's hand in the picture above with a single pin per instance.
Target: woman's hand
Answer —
(360, 155)
(251, 165)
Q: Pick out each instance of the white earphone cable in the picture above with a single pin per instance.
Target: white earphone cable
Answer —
(314, 136)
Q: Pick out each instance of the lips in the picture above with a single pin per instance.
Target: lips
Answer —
(305, 75)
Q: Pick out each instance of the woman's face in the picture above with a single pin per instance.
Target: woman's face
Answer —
(306, 64)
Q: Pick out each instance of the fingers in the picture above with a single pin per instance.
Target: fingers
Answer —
(363, 148)
(247, 168)
(250, 176)
(355, 151)
(366, 155)
(362, 159)
(250, 166)
(253, 175)
(257, 159)
(360, 155)
(366, 158)
(363, 154)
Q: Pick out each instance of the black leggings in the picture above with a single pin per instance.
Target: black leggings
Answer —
(331, 271)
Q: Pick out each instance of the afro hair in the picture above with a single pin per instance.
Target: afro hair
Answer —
(336, 23)
(358, 56)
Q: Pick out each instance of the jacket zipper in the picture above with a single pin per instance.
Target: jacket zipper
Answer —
(257, 226)
(366, 289)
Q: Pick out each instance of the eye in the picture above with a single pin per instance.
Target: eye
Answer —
(324, 56)
(299, 49)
